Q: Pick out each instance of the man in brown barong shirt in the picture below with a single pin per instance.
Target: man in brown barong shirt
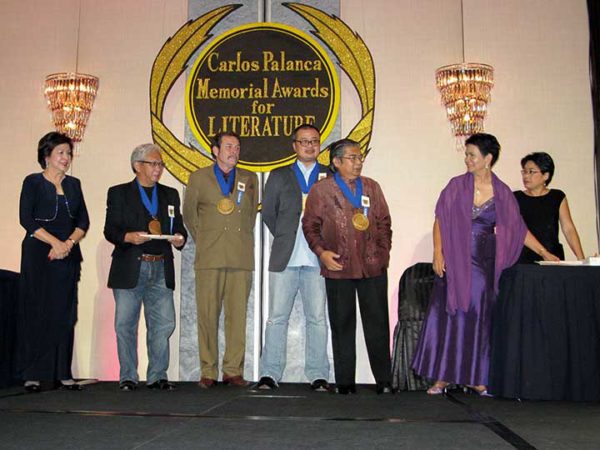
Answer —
(347, 225)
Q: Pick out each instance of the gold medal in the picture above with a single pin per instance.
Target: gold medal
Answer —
(225, 206)
(154, 227)
(360, 221)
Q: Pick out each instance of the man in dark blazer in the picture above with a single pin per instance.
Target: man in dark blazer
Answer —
(143, 221)
(293, 267)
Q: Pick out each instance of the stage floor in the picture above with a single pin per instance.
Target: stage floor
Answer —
(292, 417)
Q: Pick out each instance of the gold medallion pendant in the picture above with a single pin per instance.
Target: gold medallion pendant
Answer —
(225, 206)
(154, 227)
(360, 221)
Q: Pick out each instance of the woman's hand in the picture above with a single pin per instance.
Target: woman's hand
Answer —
(59, 250)
(549, 256)
(439, 264)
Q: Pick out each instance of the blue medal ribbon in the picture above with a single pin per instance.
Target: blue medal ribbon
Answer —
(151, 205)
(226, 186)
(312, 178)
(353, 198)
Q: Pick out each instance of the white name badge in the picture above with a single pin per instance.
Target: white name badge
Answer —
(171, 210)
(365, 202)
(241, 186)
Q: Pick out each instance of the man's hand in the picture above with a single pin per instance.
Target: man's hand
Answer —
(136, 237)
(328, 258)
(177, 240)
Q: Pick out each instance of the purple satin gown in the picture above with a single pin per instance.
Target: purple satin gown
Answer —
(456, 348)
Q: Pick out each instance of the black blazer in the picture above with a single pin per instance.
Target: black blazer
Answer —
(125, 212)
(281, 211)
(39, 204)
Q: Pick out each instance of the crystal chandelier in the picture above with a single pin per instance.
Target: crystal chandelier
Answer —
(70, 97)
(465, 89)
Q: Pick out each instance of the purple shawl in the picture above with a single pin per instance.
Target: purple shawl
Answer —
(454, 214)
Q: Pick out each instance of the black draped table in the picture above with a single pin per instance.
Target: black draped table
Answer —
(546, 334)
(9, 292)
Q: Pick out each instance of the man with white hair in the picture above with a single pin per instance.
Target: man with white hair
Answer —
(143, 221)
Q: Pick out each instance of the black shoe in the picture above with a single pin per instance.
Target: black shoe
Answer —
(33, 388)
(69, 387)
(320, 385)
(267, 383)
(127, 385)
(343, 389)
(163, 385)
(384, 389)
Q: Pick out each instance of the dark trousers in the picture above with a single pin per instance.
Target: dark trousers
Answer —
(372, 300)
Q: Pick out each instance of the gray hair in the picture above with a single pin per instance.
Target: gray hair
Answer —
(140, 152)
(338, 149)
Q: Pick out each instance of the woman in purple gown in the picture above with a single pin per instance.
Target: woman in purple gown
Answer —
(477, 233)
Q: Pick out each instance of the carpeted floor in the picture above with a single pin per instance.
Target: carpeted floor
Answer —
(292, 417)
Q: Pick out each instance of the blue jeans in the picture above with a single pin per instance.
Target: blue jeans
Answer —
(159, 313)
(283, 288)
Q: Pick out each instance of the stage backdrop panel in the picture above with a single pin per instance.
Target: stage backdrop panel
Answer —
(189, 365)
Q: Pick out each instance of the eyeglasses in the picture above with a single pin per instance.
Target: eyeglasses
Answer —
(530, 172)
(355, 158)
(154, 164)
(308, 142)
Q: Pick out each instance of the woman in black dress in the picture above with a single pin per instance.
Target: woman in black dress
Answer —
(543, 209)
(52, 211)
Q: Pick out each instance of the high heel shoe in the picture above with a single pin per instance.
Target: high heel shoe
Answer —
(480, 390)
(438, 388)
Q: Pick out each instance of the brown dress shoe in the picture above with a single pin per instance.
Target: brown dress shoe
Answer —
(207, 383)
(237, 380)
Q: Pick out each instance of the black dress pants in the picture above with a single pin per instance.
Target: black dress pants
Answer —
(372, 300)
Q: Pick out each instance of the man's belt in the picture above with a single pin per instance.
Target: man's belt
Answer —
(152, 258)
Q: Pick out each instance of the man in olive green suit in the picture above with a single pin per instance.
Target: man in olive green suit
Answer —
(219, 210)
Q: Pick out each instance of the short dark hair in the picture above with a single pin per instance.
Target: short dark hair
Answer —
(48, 142)
(304, 126)
(337, 150)
(486, 143)
(544, 161)
(219, 137)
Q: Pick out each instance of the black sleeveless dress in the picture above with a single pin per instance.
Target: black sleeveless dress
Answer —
(541, 215)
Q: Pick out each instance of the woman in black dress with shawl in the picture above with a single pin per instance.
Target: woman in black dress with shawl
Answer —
(53, 212)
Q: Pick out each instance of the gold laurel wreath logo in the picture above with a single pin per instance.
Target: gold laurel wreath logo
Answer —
(348, 47)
